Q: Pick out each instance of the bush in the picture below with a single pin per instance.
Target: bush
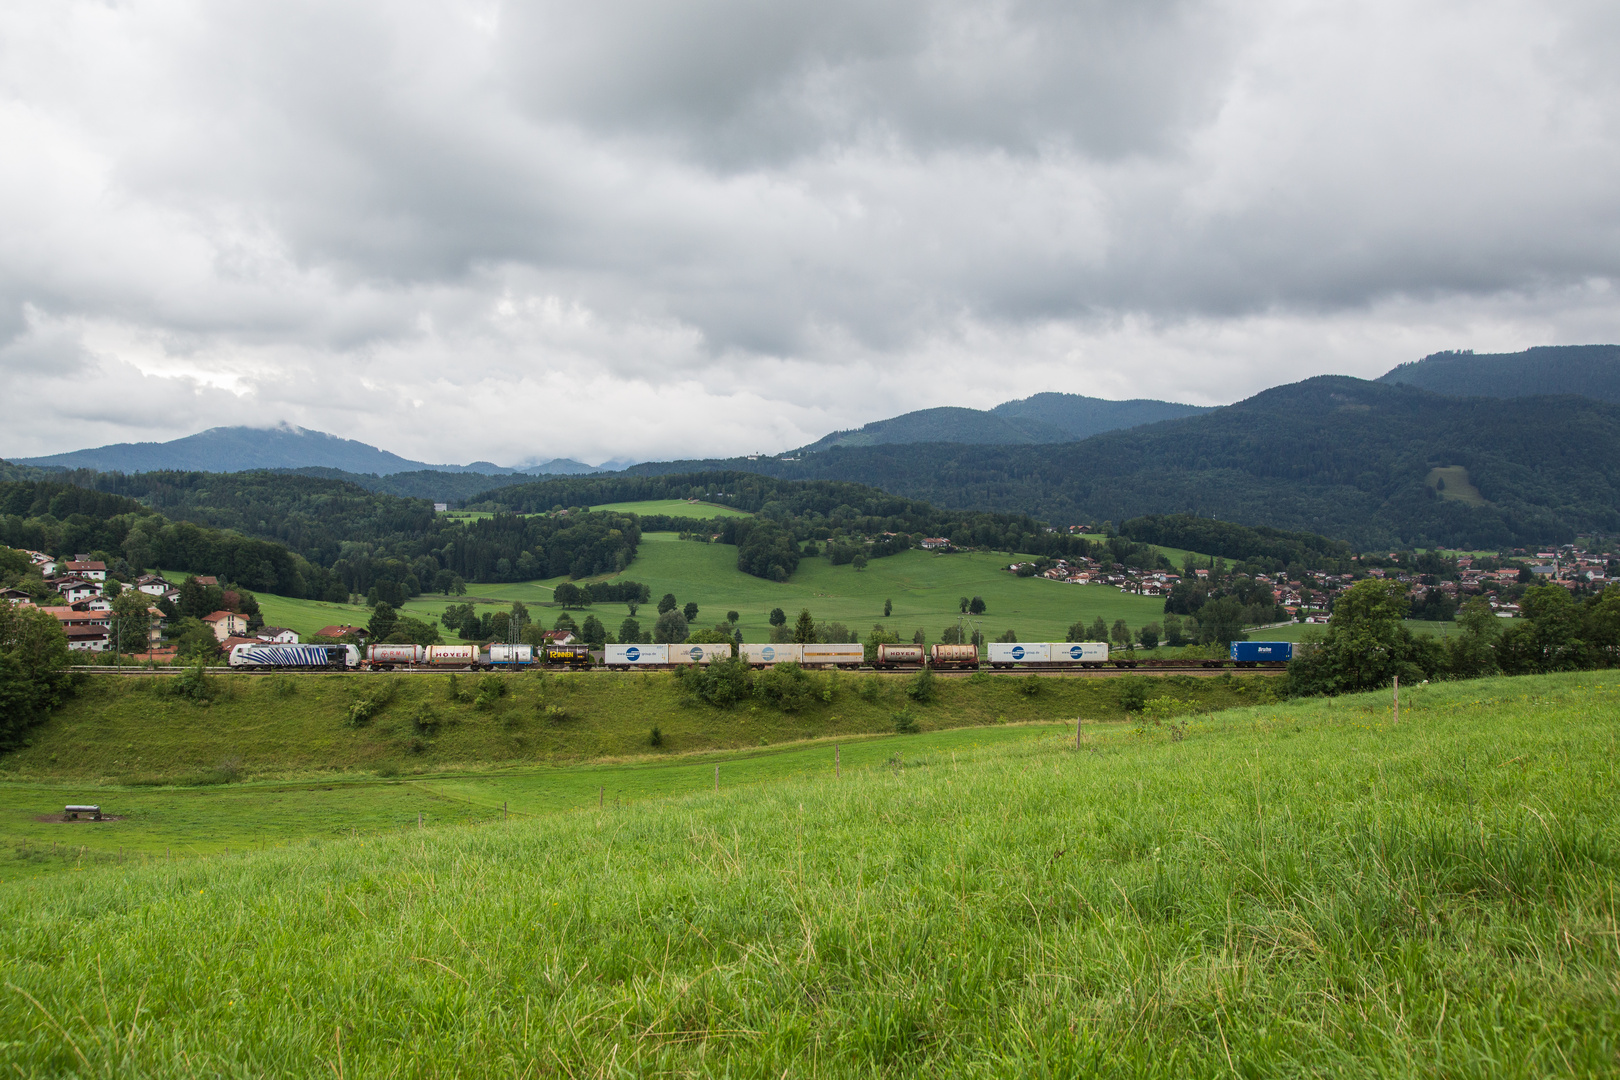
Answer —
(1030, 686)
(1132, 694)
(555, 714)
(425, 721)
(656, 737)
(194, 685)
(920, 687)
(871, 688)
(905, 723)
(786, 686)
(489, 692)
(721, 684)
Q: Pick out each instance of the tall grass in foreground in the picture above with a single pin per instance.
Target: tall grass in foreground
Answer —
(1288, 890)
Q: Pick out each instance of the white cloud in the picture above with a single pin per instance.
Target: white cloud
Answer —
(515, 231)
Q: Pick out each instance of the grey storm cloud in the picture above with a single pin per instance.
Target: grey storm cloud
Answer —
(734, 225)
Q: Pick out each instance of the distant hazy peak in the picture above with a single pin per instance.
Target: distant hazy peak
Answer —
(282, 446)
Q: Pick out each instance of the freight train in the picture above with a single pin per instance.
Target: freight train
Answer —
(1001, 656)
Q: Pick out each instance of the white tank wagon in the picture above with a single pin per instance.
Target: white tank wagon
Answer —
(391, 656)
(452, 656)
(511, 655)
(890, 657)
(268, 657)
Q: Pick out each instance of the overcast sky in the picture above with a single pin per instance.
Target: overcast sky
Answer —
(632, 229)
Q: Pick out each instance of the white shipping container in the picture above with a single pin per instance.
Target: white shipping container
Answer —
(1019, 652)
(627, 655)
(1072, 652)
(452, 654)
(699, 653)
(850, 653)
(772, 654)
(511, 654)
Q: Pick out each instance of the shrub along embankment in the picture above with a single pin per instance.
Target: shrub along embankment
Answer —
(181, 729)
(1304, 889)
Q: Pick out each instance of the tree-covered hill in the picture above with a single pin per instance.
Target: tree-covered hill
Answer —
(1589, 370)
(1344, 457)
(1043, 418)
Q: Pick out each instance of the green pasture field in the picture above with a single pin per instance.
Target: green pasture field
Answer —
(1298, 631)
(674, 508)
(308, 616)
(1306, 889)
(134, 731)
(180, 822)
(924, 586)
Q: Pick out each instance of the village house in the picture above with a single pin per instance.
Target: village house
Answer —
(86, 630)
(360, 632)
(929, 543)
(88, 568)
(152, 584)
(226, 624)
(277, 635)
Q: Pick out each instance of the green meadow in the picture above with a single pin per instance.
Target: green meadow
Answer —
(924, 587)
(1306, 888)
(674, 508)
(135, 731)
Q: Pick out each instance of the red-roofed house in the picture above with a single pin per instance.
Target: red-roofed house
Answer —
(225, 624)
(205, 579)
(86, 630)
(340, 631)
(95, 571)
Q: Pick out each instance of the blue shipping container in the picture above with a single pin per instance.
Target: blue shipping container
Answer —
(1249, 652)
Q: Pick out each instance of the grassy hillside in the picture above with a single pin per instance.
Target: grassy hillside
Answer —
(1300, 889)
(924, 587)
(131, 730)
(674, 508)
(182, 822)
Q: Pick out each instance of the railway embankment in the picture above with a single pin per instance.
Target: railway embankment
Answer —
(214, 728)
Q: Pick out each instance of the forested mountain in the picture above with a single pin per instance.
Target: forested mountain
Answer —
(1589, 370)
(1043, 418)
(1352, 459)
(239, 449)
(1081, 417)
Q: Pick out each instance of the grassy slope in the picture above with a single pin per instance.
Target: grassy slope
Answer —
(1299, 889)
(924, 587)
(674, 508)
(125, 730)
(179, 821)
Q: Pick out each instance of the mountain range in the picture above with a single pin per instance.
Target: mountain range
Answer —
(240, 449)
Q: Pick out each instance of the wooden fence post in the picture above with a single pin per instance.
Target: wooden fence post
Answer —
(717, 778)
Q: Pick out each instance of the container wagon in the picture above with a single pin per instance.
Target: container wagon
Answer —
(624, 657)
(1256, 653)
(511, 655)
(843, 655)
(766, 655)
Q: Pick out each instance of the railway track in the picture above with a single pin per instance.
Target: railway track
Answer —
(1197, 670)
